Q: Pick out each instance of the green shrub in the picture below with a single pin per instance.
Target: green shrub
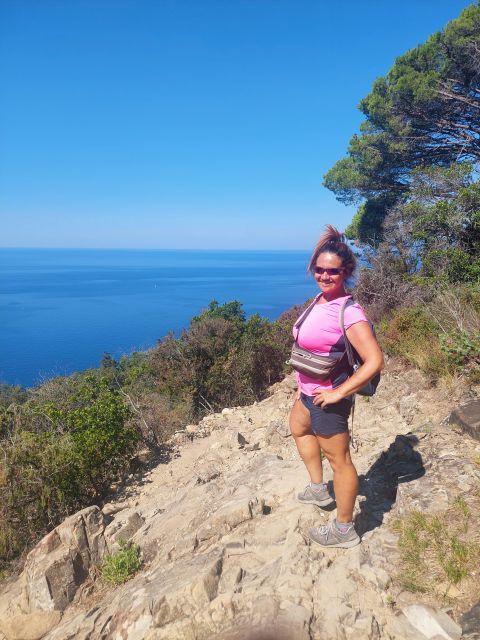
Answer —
(38, 485)
(223, 359)
(95, 417)
(59, 457)
(12, 394)
(414, 335)
(119, 567)
(441, 336)
(460, 346)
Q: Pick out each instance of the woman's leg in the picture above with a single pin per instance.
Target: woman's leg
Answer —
(345, 479)
(307, 444)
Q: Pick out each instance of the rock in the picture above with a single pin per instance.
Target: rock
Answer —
(432, 622)
(230, 579)
(134, 523)
(172, 594)
(268, 621)
(375, 631)
(281, 427)
(408, 407)
(467, 417)
(283, 430)
(208, 472)
(111, 508)
(123, 528)
(229, 516)
(470, 622)
(377, 576)
(366, 626)
(237, 511)
(447, 589)
(61, 561)
(192, 428)
(31, 626)
(401, 629)
(180, 438)
(201, 430)
(260, 435)
(226, 411)
(238, 440)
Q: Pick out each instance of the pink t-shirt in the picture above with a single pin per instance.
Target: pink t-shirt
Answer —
(321, 333)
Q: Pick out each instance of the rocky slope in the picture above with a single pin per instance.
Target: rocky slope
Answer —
(224, 543)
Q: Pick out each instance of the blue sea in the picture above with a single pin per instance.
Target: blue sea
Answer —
(61, 309)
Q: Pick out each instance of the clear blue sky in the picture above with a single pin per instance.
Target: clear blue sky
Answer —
(187, 124)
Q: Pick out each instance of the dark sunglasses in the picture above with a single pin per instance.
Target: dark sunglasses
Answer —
(331, 271)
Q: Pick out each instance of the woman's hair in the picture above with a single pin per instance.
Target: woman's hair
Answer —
(332, 241)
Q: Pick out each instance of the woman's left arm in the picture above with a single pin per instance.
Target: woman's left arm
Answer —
(365, 344)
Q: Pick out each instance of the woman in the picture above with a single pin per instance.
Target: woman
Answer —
(319, 417)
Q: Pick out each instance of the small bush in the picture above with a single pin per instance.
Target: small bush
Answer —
(12, 394)
(57, 457)
(460, 346)
(119, 567)
(440, 336)
(412, 334)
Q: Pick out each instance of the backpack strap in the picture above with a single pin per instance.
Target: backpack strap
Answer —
(351, 360)
(304, 315)
(348, 346)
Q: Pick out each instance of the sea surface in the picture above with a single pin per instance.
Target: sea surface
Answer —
(61, 309)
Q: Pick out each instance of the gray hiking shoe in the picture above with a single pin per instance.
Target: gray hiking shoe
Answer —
(329, 536)
(309, 496)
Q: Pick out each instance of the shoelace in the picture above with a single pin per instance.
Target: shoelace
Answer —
(324, 530)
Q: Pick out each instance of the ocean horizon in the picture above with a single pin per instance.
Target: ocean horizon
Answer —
(63, 308)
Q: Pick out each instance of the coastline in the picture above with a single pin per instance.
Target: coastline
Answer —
(62, 313)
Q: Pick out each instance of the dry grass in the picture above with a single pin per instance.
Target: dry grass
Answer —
(440, 553)
(441, 337)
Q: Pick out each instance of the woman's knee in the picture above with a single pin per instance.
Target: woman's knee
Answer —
(339, 460)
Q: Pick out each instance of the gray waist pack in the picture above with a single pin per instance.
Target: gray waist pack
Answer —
(304, 361)
(307, 362)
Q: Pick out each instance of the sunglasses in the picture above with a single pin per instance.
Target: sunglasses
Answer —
(331, 271)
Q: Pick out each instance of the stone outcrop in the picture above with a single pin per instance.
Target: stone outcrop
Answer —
(432, 623)
(30, 626)
(225, 550)
(467, 417)
(61, 562)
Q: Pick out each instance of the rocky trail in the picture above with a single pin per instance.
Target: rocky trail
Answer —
(224, 543)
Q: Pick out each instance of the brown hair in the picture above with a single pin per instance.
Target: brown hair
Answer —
(332, 241)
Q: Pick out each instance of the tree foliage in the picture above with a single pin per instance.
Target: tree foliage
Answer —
(434, 234)
(424, 112)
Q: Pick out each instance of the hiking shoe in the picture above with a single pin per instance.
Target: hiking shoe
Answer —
(321, 498)
(329, 536)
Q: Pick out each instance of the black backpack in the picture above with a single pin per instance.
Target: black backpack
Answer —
(354, 359)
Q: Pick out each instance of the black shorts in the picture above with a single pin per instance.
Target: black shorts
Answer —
(333, 419)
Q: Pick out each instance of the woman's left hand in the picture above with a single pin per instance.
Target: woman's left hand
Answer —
(327, 396)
